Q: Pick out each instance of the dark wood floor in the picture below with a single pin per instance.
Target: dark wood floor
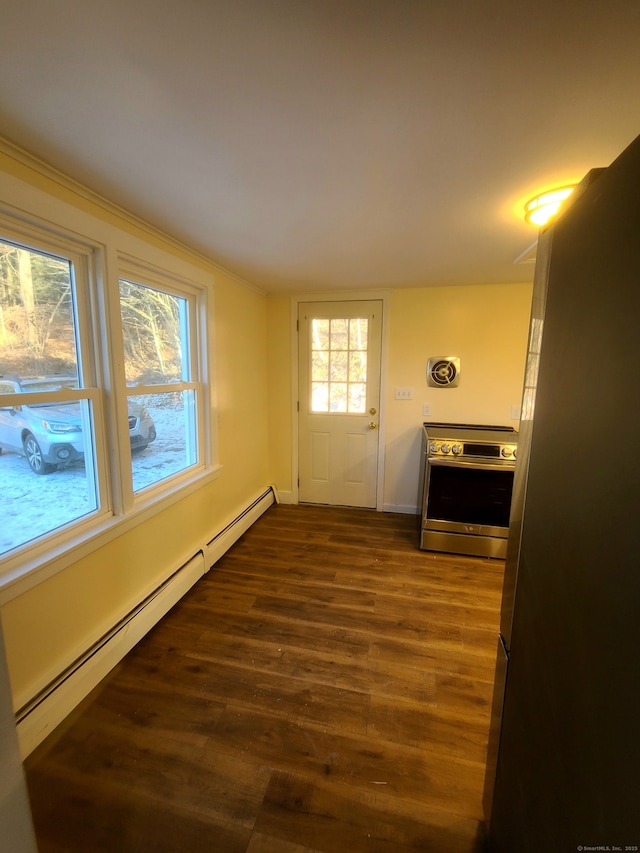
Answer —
(326, 687)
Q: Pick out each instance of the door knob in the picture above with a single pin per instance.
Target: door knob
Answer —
(373, 425)
(372, 411)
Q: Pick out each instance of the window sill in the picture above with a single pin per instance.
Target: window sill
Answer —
(34, 565)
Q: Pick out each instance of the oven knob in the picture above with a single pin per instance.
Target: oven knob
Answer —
(456, 449)
(433, 447)
(445, 448)
(506, 451)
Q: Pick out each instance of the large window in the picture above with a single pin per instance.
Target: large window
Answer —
(101, 399)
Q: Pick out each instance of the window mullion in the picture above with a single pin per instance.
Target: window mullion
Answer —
(117, 401)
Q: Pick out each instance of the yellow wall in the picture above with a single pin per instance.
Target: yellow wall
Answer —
(486, 326)
(48, 626)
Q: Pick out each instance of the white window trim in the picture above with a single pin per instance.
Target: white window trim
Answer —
(27, 217)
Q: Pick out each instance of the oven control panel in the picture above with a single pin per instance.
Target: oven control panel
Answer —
(474, 450)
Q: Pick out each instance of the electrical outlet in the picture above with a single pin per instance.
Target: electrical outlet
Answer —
(403, 393)
(426, 410)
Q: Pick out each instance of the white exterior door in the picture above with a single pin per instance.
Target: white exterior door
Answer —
(339, 401)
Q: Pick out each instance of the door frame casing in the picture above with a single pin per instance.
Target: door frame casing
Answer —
(339, 296)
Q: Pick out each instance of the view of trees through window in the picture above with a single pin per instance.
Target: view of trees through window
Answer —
(37, 335)
(151, 324)
(47, 353)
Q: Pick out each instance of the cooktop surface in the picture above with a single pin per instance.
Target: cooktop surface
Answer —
(471, 432)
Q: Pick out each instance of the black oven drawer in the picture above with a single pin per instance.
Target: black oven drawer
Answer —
(475, 494)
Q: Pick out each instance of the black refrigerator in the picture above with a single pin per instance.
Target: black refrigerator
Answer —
(563, 768)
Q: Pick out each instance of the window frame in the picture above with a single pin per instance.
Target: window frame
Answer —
(97, 267)
(137, 272)
(82, 259)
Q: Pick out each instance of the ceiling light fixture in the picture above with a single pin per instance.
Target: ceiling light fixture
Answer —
(540, 209)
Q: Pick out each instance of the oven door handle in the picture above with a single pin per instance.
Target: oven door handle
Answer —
(478, 466)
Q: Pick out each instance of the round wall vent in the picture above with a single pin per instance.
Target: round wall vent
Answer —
(443, 372)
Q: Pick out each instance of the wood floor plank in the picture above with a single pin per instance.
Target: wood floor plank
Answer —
(247, 685)
(320, 668)
(312, 752)
(295, 633)
(122, 821)
(439, 653)
(440, 730)
(324, 688)
(322, 817)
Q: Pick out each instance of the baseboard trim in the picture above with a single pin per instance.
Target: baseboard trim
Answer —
(411, 509)
(222, 541)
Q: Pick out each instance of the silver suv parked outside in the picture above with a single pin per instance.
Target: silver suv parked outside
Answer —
(50, 434)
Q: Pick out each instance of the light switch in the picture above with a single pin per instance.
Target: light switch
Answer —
(403, 393)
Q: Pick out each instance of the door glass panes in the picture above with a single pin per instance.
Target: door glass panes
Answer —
(47, 469)
(162, 423)
(339, 365)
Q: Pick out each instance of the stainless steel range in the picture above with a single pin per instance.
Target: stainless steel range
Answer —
(466, 481)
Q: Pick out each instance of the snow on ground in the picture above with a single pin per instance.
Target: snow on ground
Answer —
(31, 505)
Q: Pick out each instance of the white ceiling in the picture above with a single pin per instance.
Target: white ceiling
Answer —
(327, 144)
